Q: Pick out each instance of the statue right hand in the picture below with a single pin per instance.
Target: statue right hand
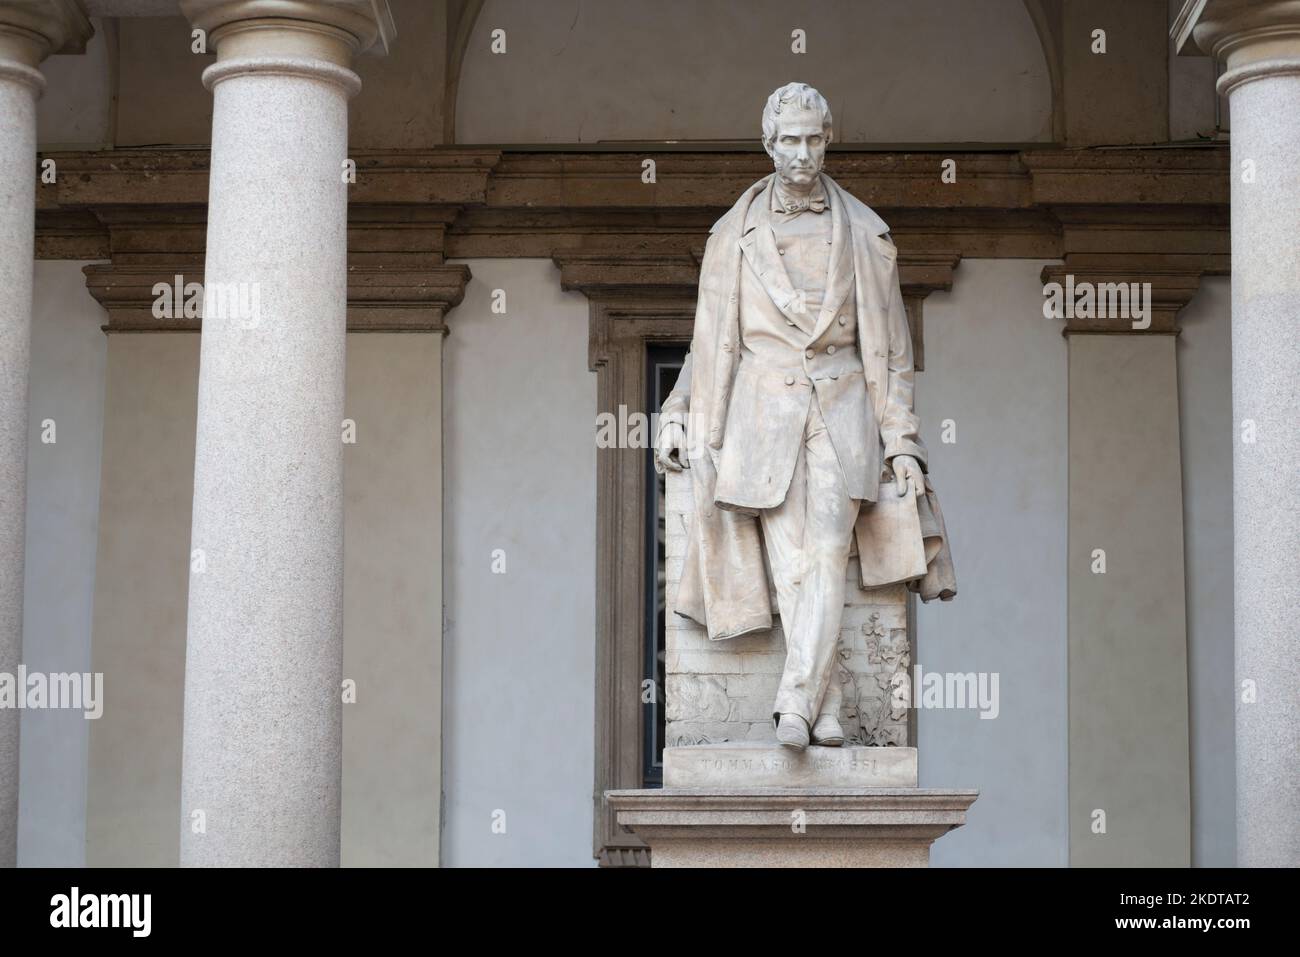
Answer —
(670, 451)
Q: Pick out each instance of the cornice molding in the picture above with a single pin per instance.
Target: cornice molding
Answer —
(626, 273)
(179, 177)
(613, 236)
(380, 299)
(611, 183)
(1169, 247)
(1172, 285)
(1176, 176)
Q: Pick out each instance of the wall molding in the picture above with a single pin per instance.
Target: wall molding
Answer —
(492, 203)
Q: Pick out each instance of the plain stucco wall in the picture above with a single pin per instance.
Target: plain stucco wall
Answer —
(142, 577)
(75, 111)
(391, 600)
(922, 71)
(1129, 736)
(1120, 95)
(1205, 398)
(520, 473)
(67, 386)
(996, 368)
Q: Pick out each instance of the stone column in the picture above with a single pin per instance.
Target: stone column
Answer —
(261, 768)
(28, 33)
(1259, 42)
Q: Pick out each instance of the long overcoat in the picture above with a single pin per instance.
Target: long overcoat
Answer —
(724, 582)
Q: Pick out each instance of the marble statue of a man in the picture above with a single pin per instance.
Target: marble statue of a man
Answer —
(792, 410)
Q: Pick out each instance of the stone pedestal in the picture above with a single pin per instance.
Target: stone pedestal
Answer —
(753, 804)
(733, 797)
(790, 826)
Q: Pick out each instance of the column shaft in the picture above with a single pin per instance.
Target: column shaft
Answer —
(20, 84)
(1265, 102)
(261, 771)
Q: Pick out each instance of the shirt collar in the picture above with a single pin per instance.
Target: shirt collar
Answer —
(786, 202)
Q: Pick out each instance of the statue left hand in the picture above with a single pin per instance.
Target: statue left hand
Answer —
(907, 471)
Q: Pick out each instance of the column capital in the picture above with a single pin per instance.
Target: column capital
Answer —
(367, 24)
(1252, 38)
(291, 37)
(29, 32)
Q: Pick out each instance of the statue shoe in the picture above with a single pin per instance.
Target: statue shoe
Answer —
(792, 732)
(827, 732)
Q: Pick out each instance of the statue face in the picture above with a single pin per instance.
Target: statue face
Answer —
(799, 147)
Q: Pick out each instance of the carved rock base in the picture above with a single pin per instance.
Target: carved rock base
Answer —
(790, 827)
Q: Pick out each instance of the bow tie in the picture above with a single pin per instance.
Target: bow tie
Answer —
(815, 200)
(792, 205)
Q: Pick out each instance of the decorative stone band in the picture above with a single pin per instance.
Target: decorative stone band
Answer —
(307, 67)
(1259, 70)
(13, 71)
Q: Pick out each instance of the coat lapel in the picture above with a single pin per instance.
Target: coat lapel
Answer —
(758, 245)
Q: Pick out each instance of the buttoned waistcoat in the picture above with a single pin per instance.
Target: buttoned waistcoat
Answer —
(791, 353)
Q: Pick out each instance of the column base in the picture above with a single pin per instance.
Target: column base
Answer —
(790, 827)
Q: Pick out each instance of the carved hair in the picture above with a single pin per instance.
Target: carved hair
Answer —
(802, 96)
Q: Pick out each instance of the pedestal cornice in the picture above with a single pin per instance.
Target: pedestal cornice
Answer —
(790, 826)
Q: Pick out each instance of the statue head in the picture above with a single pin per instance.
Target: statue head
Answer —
(796, 132)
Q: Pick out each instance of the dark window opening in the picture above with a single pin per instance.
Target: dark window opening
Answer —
(663, 363)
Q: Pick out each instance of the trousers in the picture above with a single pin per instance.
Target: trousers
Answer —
(807, 539)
